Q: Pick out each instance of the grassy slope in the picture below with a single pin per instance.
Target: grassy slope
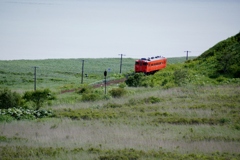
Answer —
(218, 65)
(221, 59)
(179, 123)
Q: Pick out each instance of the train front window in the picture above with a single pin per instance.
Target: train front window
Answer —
(145, 64)
(137, 63)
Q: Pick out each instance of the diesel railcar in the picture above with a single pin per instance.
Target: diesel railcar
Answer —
(150, 65)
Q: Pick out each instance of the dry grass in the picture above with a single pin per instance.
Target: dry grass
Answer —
(71, 134)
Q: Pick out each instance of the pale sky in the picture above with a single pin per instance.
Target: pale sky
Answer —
(47, 29)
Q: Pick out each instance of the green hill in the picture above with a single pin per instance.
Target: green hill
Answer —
(218, 65)
(222, 59)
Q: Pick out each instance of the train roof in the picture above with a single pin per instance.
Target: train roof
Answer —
(152, 58)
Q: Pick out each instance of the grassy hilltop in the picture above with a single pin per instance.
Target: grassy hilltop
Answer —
(189, 110)
(218, 65)
(223, 59)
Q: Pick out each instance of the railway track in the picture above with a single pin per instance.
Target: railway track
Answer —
(110, 82)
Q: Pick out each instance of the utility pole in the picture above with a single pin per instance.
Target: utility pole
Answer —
(82, 70)
(187, 54)
(35, 77)
(121, 63)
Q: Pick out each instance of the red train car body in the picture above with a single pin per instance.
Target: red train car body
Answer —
(150, 65)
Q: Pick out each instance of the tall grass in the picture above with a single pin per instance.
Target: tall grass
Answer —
(71, 134)
(191, 121)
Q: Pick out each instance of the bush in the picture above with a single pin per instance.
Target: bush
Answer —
(122, 85)
(117, 92)
(112, 105)
(133, 102)
(21, 113)
(135, 80)
(9, 99)
(152, 100)
(125, 154)
(38, 97)
(90, 96)
(169, 85)
(181, 77)
(6, 118)
(221, 79)
(85, 89)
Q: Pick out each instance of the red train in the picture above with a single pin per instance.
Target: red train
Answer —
(150, 65)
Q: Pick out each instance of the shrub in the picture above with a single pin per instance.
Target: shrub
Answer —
(133, 102)
(135, 79)
(6, 118)
(21, 113)
(85, 113)
(9, 99)
(237, 126)
(85, 89)
(122, 85)
(169, 85)
(38, 97)
(90, 96)
(125, 154)
(224, 120)
(112, 105)
(117, 92)
(164, 82)
(152, 100)
(181, 77)
(221, 79)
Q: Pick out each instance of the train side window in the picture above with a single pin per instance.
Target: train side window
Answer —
(145, 64)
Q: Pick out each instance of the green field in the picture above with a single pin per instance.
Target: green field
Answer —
(61, 74)
(195, 120)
